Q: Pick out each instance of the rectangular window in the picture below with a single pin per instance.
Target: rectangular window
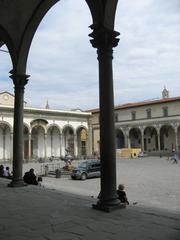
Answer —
(133, 115)
(116, 117)
(148, 111)
(165, 111)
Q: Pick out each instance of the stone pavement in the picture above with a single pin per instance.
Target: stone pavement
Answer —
(37, 213)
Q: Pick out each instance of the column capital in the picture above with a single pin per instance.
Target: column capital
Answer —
(19, 79)
(103, 38)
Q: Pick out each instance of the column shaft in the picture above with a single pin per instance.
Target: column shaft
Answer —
(90, 139)
(75, 146)
(29, 147)
(104, 41)
(18, 138)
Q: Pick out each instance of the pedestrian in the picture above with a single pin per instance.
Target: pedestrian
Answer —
(1, 170)
(122, 194)
(175, 158)
(7, 173)
(30, 177)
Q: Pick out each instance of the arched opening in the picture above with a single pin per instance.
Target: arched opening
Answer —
(53, 142)
(135, 138)
(38, 142)
(150, 139)
(120, 143)
(82, 138)
(66, 36)
(167, 138)
(68, 140)
(5, 67)
(5, 142)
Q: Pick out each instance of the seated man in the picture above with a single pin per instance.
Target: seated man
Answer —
(30, 177)
(122, 194)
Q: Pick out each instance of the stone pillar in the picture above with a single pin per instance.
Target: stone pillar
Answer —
(45, 146)
(176, 140)
(127, 140)
(90, 138)
(4, 143)
(142, 139)
(158, 138)
(75, 145)
(19, 80)
(11, 147)
(29, 146)
(104, 40)
(60, 144)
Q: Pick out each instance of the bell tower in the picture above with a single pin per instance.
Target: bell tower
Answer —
(165, 93)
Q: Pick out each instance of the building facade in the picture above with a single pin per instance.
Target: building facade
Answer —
(153, 126)
(47, 133)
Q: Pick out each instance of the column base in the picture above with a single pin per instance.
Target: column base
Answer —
(17, 183)
(108, 208)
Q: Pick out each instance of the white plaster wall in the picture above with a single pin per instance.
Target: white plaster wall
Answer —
(156, 111)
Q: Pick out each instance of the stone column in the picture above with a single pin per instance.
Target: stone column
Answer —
(60, 144)
(11, 147)
(176, 140)
(90, 138)
(75, 145)
(158, 138)
(29, 146)
(127, 140)
(4, 142)
(19, 80)
(104, 40)
(142, 139)
(45, 146)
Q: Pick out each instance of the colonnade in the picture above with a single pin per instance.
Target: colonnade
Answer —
(150, 138)
(48, 142)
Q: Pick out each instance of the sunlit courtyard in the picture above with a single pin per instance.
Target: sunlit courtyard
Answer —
(149, 181)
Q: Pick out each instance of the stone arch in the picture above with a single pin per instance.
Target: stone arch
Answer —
(82, 139)
(6, 39)
(135, 137)
(53, 141)
(34, 20)
(54, 125)
(120, 139)
(8, 124)
(150, 139)
(5, 141)
(39, 122)
(167, 137)
(68, 126)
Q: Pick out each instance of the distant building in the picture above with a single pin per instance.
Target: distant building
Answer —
(47, 132)
(153, 126)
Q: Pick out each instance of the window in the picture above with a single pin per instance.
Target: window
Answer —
(133, 115)
(165, 111)
(148, 111)
(116, 117)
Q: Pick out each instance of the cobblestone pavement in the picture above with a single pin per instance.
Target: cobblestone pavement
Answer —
(37, 213)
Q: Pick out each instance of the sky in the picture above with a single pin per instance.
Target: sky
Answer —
(64, 68)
